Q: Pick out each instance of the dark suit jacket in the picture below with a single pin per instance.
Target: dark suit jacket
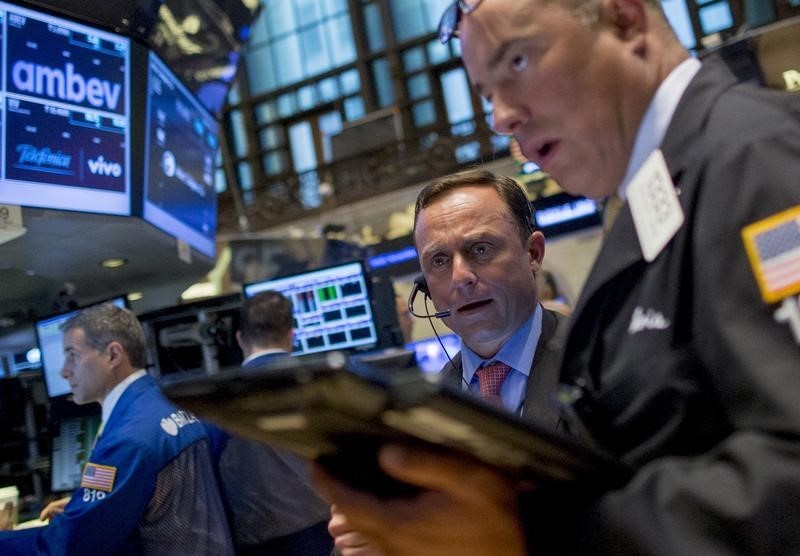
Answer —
(275, 507)
(266, 359)
(686, 371)
(543, 380)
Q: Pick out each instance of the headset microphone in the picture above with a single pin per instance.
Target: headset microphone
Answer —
(420, 285)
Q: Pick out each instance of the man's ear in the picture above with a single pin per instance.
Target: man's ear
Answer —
(115, 352)
(536, 251)
(627, 17)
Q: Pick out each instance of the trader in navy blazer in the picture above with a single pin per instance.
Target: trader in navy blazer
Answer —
(274, 508)
(149, 486)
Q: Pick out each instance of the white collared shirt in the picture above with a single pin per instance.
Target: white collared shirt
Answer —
(260, 353)
(113, 397)
(657, 117)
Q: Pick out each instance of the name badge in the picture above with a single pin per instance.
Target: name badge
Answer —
(657, 213)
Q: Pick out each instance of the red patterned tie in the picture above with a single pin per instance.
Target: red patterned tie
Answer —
(490, 379)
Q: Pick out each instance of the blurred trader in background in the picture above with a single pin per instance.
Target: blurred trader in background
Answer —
(480, 256)
(149, 485)
(273, 506)
(682, 356)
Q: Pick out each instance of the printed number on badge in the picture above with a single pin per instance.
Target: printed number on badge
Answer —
(90, 495)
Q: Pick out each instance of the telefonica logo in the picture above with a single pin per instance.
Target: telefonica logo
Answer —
(103, 167)
(65, 84)
(30, 155)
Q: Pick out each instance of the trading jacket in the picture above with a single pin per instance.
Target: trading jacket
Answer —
(681, 366)
(148, 488)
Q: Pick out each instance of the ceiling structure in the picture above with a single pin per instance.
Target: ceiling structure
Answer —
(59, 254)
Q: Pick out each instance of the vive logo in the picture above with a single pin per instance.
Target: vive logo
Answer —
(100, 166)
(65, 84)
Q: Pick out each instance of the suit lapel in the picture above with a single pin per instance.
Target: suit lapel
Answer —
(621, 247)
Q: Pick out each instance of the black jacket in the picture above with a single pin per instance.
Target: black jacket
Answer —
(707, 405)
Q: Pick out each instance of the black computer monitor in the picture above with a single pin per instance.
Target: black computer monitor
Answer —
(51, 346)
(332, 308)
(70, 451)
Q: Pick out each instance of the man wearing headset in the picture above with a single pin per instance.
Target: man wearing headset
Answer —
(479, 255)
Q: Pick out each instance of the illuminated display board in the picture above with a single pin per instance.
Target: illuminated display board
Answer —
(180, 147)
(64, 113)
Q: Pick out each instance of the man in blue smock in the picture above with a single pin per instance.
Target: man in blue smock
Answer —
(148, 487)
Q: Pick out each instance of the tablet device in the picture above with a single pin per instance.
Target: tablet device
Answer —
(340, 411)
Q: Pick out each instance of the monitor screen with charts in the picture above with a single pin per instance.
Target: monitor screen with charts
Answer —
(70, 451)
(332, 308)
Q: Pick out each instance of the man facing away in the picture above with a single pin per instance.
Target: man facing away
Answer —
(480, 255)
(683, 349)
(274, 507)
(149, 485)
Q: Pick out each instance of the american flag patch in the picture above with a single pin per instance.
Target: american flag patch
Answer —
(773, 247)
(100, 477)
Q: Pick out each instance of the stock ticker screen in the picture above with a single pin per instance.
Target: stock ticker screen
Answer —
(180, 146)
(332, 308)
(64, 112)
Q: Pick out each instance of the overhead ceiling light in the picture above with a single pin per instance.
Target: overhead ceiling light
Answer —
(114, 262)
(135, 296)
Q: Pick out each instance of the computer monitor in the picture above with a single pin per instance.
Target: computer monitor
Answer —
(430, 356)
(332, 308)
(51, 346)
(70, 451)
(180, 149)
(65, 114)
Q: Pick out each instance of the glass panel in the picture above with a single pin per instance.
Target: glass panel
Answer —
(438, 52)
(353, 108)
(408, 19)
(220, 183)
(271, 137)
(468, 152)
(329, 124)
(259, 31)
(373, 25)
(418, 86)
(260, 71)
(678, 16)
(286, 54)
(238, 133)
(309, 190)
(328, 89)
(350, 82)
(435, 10)
(382, 79)
(305, 97)
(501, 142)
(423, 113)
(307, 11)
(233, 94)
(301, 139)
(315, 55)
(414, 59)
(266, 113)
(286, 105)
(341, 45)
(457, 100)
(245, 173)
(333, 7)
(715, 17)
(280, 17)
(274, 163)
